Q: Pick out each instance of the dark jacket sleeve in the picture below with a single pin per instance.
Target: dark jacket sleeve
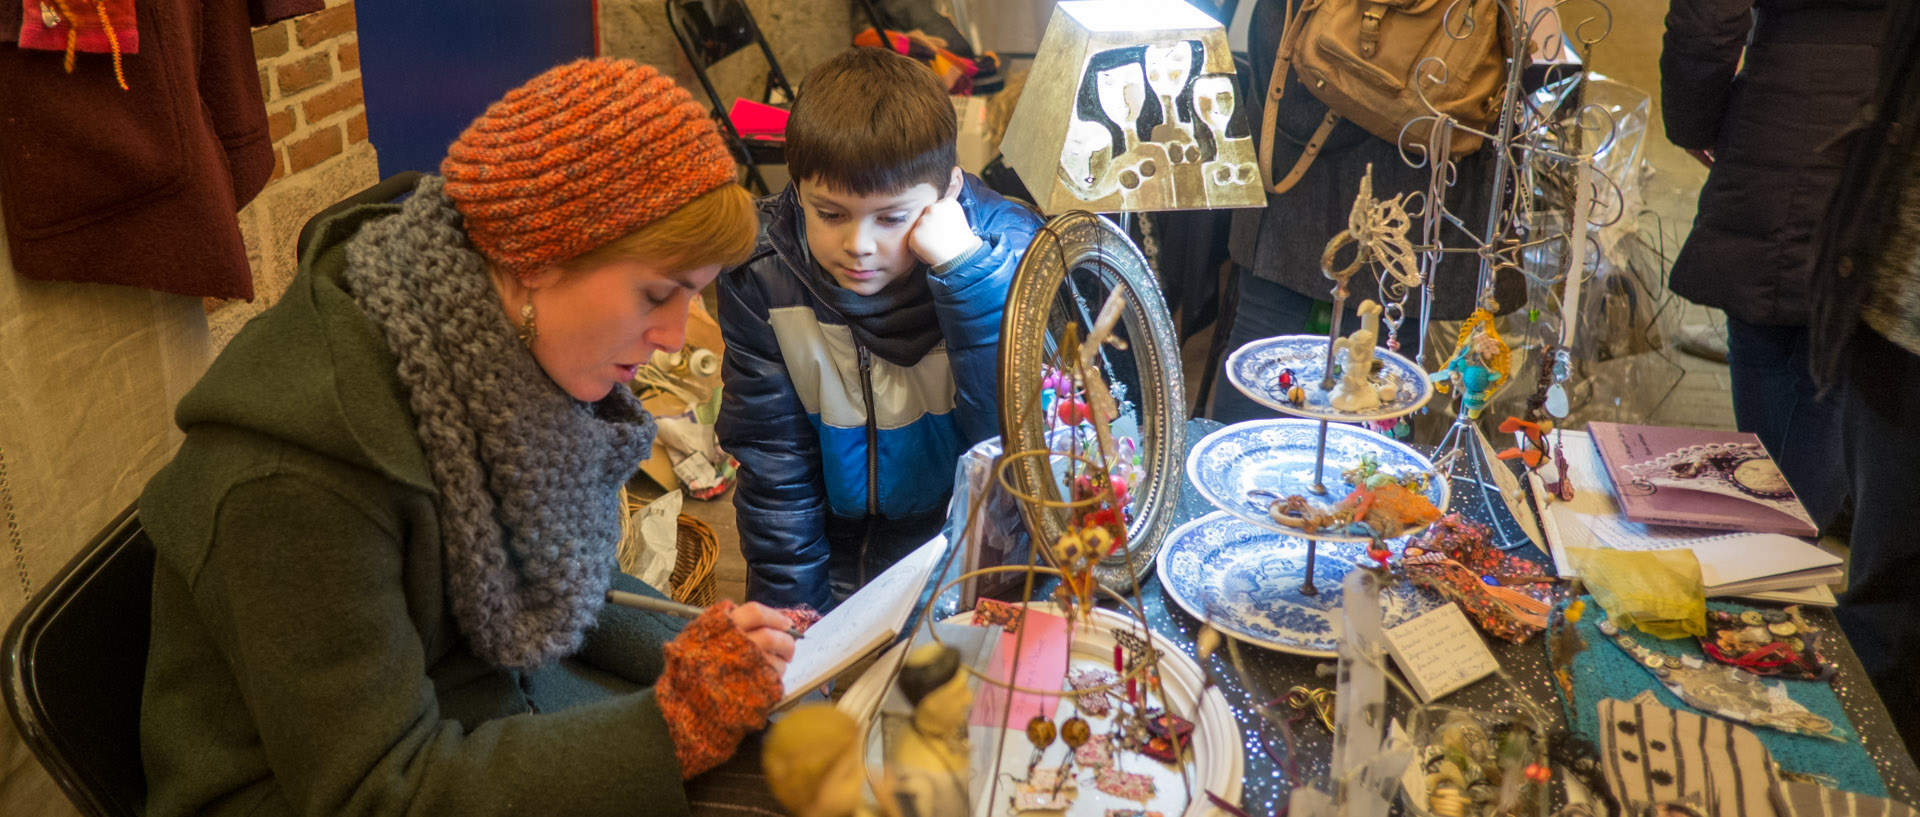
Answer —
(626, 642)
(781, 499)
(330, 667)
(1697, 63)
(968, 301)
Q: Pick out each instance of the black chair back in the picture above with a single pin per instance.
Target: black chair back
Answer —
(76, 661)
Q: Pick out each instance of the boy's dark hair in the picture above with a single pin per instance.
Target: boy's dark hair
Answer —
(871, 121)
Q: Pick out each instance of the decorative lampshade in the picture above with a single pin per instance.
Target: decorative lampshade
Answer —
(1132, 106)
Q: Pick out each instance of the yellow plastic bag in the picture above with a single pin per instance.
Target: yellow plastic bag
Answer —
(1658, 591)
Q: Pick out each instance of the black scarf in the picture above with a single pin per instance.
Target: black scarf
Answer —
(897, 323)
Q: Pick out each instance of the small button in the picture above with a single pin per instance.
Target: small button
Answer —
(1752, 617)
(1845, 267)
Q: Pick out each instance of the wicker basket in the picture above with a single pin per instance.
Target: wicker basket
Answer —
(695, 552)
(696, 549)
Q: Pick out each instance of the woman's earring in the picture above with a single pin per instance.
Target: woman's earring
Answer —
(527, 330)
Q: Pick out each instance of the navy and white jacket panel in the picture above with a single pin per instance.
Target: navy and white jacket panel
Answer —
(794, 411)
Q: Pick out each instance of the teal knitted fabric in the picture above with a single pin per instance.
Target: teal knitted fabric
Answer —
(1603, 670)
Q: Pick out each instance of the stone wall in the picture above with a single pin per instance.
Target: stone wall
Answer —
(801, 32)
(310, 77)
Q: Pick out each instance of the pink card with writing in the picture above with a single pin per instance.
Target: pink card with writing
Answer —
(1044, 641)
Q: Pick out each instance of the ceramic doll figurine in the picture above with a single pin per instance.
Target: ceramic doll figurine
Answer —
(1478, 367)
(812, 758)
(1356, 390)
(928, 765)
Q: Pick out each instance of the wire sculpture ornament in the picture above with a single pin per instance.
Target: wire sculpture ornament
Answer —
(1543, 165)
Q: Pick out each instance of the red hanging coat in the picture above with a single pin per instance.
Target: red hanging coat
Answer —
(139, 187)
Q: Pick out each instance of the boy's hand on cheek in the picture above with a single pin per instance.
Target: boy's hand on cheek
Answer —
(942, 233)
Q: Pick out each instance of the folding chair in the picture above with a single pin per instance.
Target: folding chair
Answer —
(76, 662)
(712, 30)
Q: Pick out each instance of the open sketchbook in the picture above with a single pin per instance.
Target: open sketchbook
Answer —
(1731, 564)
(866, 621)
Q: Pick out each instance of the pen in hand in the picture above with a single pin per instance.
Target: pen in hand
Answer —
(672, 608)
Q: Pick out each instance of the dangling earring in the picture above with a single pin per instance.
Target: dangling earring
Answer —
(527, 330)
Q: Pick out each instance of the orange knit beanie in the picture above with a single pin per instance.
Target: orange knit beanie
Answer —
(582, 154)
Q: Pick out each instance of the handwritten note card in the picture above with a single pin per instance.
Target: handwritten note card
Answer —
(1440, 652)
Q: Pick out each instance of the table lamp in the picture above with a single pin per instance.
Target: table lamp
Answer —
(1131, 106)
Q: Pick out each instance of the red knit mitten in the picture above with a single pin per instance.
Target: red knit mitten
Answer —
(716, 689)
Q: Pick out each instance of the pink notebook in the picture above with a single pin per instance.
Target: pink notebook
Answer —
(1698, 478)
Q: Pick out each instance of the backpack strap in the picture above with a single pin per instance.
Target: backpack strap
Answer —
(1371, 15)
(1276, 88)
(1307, 154)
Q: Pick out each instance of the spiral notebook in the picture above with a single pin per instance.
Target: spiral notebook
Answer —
(868, 620)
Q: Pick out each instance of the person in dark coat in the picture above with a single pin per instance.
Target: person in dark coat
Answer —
(385, 545)
(1768, 130)
(1278, 248)
(1865, 351)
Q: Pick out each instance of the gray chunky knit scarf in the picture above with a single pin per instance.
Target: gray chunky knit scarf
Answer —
(529, 478)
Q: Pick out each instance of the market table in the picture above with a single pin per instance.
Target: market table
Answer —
(1271, 674)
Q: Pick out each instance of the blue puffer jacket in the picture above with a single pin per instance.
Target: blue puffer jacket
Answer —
(798, 387)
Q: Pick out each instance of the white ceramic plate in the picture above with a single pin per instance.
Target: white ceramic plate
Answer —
(1255, 369)
(1246, 581)
(1278, 456)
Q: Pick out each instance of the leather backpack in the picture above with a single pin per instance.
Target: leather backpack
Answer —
(1363, 58)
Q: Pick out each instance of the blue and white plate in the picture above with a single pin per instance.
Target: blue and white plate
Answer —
(1246, 581)
(1255, 370)
(1278, 455)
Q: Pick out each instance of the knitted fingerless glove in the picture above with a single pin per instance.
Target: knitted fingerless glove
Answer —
(716, 689)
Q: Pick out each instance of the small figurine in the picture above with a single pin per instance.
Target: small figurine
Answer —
(812, 762)
(1480, 365)
(1356, 391)
(929, 766)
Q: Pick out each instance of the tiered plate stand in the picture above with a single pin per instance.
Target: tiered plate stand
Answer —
(1241, 569)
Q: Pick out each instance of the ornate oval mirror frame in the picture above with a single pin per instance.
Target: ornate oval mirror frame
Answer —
(1080, 241)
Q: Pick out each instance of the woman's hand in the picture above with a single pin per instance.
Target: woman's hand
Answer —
(767, 629)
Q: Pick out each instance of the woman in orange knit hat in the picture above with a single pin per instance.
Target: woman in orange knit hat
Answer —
(386, 542)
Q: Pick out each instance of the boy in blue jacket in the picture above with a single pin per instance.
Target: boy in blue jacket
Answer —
(863, 334)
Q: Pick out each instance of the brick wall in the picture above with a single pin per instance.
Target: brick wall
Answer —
(310, 78)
